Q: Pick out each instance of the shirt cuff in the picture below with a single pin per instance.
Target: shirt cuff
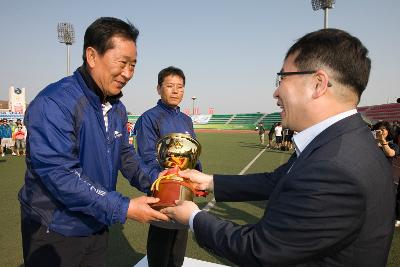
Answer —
(194, 213)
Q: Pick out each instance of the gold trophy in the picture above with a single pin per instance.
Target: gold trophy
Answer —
(175, 152)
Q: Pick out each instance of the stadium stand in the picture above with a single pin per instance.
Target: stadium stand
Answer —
(133, 118)
(250, 118)
(270, 119)
(384, 112)
(220, 119)
(372, 114)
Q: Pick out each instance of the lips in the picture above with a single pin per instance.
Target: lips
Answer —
(282, 108)
(120, 85)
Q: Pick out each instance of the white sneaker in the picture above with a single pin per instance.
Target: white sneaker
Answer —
(3, 155)
(14, 154)
(397, 224)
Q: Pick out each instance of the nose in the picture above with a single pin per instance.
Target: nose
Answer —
(276, 93)
(175, 89)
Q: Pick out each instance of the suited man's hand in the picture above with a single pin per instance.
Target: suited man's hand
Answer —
(201, 180)
(139, 210)
(181, 213)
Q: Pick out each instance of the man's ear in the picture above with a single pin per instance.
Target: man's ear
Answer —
(91, 56)
(159, 89)
(321, 83)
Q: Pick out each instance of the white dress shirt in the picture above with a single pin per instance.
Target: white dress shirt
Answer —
(303, 138)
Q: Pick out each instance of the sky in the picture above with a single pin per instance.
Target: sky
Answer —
(229, 50)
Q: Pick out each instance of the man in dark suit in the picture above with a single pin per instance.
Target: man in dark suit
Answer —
(332, 203)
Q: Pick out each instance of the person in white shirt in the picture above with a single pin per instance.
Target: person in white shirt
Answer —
(278, 135)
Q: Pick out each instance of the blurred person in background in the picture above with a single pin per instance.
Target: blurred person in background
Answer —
(13, 126)
(6, 138)
(19, 138)
(261, 132)
(287, 139)
(271, 133)
(384, 138)
(396, 132)
(278, 135)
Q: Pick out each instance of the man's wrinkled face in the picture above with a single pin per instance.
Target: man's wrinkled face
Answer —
(115, 68)
(171, 90)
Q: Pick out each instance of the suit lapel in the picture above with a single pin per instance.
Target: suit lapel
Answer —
(339, 128)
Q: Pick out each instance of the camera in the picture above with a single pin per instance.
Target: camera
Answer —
(375, 132)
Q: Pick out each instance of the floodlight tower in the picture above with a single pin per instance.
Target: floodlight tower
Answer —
(325, 5)
(193, 98)
(66, 35)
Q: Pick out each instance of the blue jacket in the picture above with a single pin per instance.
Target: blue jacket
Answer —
(5, 131)
(73, 162)
(154, 124)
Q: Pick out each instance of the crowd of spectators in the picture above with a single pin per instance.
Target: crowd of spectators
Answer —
(12, 137)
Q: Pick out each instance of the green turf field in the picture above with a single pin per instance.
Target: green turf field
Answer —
(221, 153)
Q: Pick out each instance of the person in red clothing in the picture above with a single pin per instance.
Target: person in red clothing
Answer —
(20, 137)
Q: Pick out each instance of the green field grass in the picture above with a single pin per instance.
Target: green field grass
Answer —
(221, 153)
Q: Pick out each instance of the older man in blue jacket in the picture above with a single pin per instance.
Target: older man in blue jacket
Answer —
(77, 142)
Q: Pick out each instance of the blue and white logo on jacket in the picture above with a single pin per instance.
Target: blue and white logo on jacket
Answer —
(117, 134)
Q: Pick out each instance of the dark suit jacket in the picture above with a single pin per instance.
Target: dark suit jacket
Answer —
(335, 207)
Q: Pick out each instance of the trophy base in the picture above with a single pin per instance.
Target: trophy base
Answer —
(171, 190)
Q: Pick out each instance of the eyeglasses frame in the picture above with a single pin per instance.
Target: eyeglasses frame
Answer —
(288, 73)
(280, 74)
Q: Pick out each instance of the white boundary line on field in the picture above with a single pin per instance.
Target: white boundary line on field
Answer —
(211, 204)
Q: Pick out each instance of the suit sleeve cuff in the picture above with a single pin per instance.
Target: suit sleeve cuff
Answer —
(191, 219)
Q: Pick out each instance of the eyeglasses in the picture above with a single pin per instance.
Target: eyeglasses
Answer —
(282, 74)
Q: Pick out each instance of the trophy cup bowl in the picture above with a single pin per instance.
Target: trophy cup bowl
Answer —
(175, 151)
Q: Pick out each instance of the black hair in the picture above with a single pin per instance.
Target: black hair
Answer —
(338, 50)
(99, 34)
(171, 70)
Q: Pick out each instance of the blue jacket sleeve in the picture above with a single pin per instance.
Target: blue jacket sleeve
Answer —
(54, 158)
(146, 138)
(132, 167)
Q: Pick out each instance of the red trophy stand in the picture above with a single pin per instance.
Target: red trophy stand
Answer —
(172, 187)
